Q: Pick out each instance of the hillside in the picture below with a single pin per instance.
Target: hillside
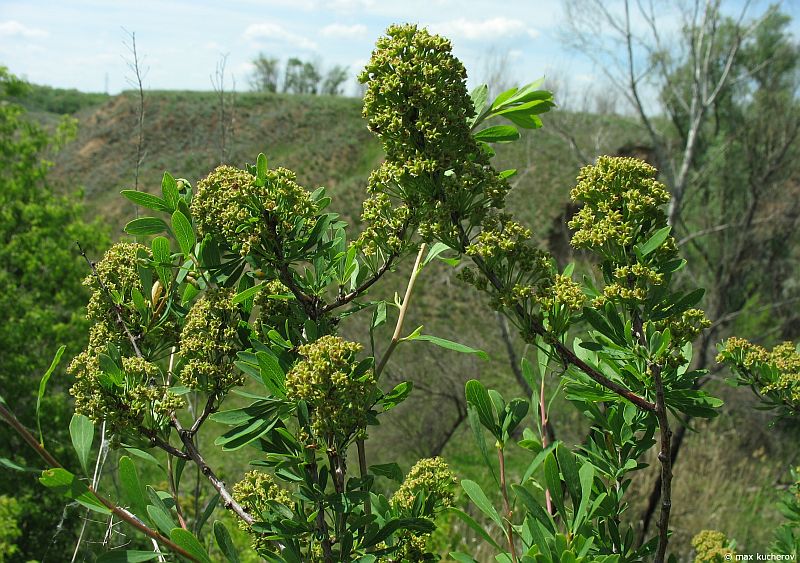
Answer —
(327, 143)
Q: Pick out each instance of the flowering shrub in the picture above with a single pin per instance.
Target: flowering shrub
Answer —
(255, 277)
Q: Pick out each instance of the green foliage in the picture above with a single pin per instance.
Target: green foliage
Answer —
(9, 527)
(41, 295)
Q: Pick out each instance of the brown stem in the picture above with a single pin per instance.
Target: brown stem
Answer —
(348, 297)
(664, 456)
(194, 454)
(362, 467)
(506, 505)
(121, 513)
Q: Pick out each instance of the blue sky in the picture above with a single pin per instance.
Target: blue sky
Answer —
(81, 44)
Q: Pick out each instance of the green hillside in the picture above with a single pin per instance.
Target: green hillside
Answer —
(324, 139)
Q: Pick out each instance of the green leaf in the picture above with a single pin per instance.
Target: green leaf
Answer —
(655, 241)
(389, 470)
(261, 166)
(160, 517)
(534, 509)
(553, 479)
(81, 431)
(132, 489)
(477, 528)
(70, 486)
(146, 226)
(272, 374)
(478, 497)
(479, 95)
(478, 397)
(586, 475)
(43, 387)
(183, 232)
(187, 541)
(8, 464)
(514, 413)
(248, 293)
(397, 395)
(434, 252)
(225, 543)
(569, 469)
(207, 512)
(498, 134)
(129, 556)
(455, 346)
(147, 200)
(462, 557)
(415, 524)
(169, 189)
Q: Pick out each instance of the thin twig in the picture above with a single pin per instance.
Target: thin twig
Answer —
(121, 513)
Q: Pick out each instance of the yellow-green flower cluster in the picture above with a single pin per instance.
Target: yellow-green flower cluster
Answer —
(775, 372)
(338, 398)
(619, 194)
(712, 547)
(117, 274)
(257, 490)
(139, 400)
(209, 342)
(230, 203)
(563, 291)
(433, 477)
(417, 103)
(273, 312)
(384, 225)
(688, 326)
(255, 493)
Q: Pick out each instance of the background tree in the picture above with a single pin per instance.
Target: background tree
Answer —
(718, 107)
(264, 77)
(41, 298)
(334, 80)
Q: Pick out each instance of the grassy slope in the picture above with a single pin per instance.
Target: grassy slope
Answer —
(725, 476)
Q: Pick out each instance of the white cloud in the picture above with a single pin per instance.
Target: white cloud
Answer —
(13, 28)
(272, 32)
(494, 28)
(349, 5)
(341, 31)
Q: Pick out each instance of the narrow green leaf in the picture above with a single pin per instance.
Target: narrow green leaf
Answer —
(183, 232)
(455, 346)
(569, 469)
(81, 431)
(147, 200)
(477, 528)
(43, 387)
(478, 397)
(129, 556)
(389, 470)
(132, 490)
(160, 518)
(553, 479)
(498, 134)
(146, 226)
(478, 497)
(586, 473)
(655, 241)
(434, 252)
(169, 189)
(8, 464)
(71, 487)
(261, 166)
(248, 293)
(207, 512)
(225, 543)
(187, 541)
(534, 509)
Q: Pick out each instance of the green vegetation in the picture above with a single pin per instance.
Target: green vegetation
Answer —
(221, 298)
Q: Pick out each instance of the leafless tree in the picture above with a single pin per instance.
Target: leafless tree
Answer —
(133, 61)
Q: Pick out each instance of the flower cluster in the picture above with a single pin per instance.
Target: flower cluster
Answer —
(276, 305)
(563, 291)
(117, 275)
(135, 397)
(209, 342)
(712, 547)
(775, 373)
(431, 476)
(133, 393)
(233, 204)
(338, 390)
(417, 103)
(619, 196)
(256, 493)
(384, 225)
